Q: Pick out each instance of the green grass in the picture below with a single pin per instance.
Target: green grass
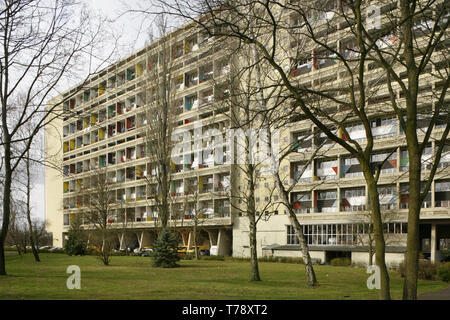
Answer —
(134, 278)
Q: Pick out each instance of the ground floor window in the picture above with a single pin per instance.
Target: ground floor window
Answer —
(292, 235)
(339, 234)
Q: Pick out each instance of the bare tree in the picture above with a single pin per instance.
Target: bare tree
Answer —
(365, 235)
(99, 215)
(196, 215)
(161, 121)
(33, 239)
(42, 44)
(17, 235)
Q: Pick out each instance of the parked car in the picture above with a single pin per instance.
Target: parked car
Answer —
(202, 250)
(182, 250)
(144, 252)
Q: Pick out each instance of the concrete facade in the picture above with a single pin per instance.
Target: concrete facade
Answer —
(331, 198)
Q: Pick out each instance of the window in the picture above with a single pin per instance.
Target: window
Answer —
(66, 220)
(292, 236)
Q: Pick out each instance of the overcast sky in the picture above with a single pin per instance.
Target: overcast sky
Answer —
(134, 31)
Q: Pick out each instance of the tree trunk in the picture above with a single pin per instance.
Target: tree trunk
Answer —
(30, 224)
(380, 246)
(195, 239)
(164, 202)
(412, 254)
(6, 201)
(311, 280)
(253, 251)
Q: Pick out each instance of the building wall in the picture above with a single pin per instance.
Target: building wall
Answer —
(53, 181)
(337, 176)
(392, 259)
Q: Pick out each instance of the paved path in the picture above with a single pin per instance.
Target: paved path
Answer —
(436, 295)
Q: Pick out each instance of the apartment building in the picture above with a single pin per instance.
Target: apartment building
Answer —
(106, 129)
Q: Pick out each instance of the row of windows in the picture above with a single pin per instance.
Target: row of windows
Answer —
(340, 234)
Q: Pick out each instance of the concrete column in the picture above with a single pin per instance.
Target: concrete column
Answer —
(185, 237)
(189, 243)
(140, 236)
(223, 243)
(147, 239)
(121, 242)
(433, 243)
(212, 237)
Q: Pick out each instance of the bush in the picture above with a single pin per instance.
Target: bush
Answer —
(427, 270)
(443, 272)
(75, 244)
(165, 249)
(341, 262)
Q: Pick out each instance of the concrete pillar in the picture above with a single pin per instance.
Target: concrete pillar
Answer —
(121, 241)
(212, 237)
(190, 240)
(185, 237)
(223, 243)
(140, 236)
(433, 243)
(146, 239)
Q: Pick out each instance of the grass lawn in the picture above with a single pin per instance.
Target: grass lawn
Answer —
(135, 278)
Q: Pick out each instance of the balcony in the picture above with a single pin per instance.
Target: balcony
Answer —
(326, 201)
(351, 168)
(326, 170)
(353, 199)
